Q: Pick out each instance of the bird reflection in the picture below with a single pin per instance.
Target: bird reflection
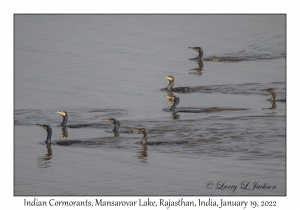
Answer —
(175, 101)
(274, 106)
(197, 71)
(44, 162)
(64, 133)
(175, 115)
(170, 96)
(142, 154)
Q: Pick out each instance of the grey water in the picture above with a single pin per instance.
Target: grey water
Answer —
(114, 66)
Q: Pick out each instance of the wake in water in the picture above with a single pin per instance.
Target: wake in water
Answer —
(176, 100)
(243, 55)
(246, 89)
(94, 116)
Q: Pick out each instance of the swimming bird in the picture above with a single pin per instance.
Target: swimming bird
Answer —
(65, 142)
(116, 125)
(145, 137)
(65, 118)
(199, 50)
(177, 89)
(214, 58)
(273, 92)
(49, 132)
(141, 130)
(197, 110)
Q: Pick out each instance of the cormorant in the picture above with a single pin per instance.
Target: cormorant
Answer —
(197, 110)
(65, 118)
(199, 50)
(115, 122)
(49, 132)
(177, 89)
(141, 130)
(273, 92)
(214, 58)
(145, 137)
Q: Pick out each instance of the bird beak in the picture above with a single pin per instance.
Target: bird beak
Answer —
(135, 130)
(194, 48)
(41, 126)
(61, 113)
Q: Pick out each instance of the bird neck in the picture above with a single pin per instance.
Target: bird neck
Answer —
(170, 86)
(49, 134)
(176, 102)
(200, 54)
(273, 96)
(117, 125)
(65, 120)
(145, 137)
